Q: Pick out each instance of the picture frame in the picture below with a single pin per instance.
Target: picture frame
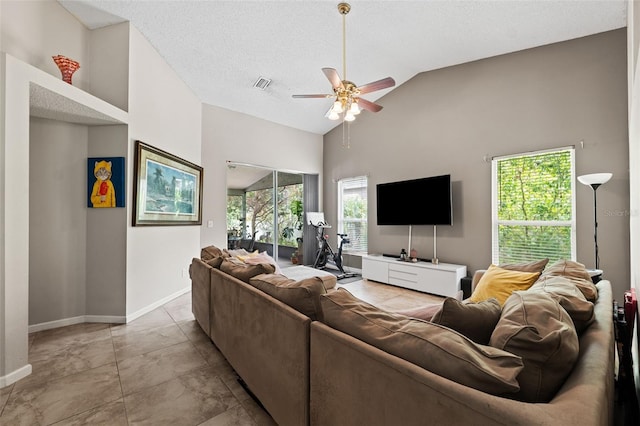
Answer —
(106, 183)
(167, 189)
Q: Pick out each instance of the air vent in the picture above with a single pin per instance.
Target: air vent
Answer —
(262, 83)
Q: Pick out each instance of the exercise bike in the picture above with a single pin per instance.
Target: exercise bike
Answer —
(326, 254)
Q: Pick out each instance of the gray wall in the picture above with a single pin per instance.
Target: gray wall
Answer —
(229, 136)
(57, 220)
(107, 234)
(447, 121)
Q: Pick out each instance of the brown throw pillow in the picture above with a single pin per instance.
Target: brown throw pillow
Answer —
(570, 298)
(535, 266)
(245, 272)
(534, 326)
(210, 252)
(303, 296)
(215, 262)
(578, 275)
(430, 346)
(568, 268)
(474, 320)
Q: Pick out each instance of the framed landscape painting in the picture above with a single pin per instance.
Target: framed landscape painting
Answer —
(167, 189)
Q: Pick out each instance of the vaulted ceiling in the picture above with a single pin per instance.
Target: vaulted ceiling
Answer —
(221, 48)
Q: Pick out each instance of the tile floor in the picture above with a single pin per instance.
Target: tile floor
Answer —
(160, 369)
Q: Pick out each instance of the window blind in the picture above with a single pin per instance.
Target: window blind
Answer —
(352, 213)
(533, 213)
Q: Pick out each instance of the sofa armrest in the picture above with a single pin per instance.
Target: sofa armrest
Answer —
(200, 274)
(267, 344)
(476, 278)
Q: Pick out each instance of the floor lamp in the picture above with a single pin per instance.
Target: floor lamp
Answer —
(594, 180)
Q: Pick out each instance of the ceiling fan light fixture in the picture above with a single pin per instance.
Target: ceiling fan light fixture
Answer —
(346, 94)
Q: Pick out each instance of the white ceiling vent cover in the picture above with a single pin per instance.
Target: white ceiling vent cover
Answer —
(262, 83)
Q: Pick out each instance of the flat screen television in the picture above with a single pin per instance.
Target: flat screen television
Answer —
(425, 201)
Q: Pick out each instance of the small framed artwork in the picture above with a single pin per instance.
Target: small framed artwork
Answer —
(105, 182)
(167, 189)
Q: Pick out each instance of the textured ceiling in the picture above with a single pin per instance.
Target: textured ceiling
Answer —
(220, 48)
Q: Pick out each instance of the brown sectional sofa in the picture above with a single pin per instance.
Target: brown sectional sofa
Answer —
(306, 372)
(353, 382)
(265, 340)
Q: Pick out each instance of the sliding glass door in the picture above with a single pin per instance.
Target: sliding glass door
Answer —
(290, 224)
(265, 211)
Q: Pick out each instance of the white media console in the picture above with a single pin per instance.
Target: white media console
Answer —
(442, 279)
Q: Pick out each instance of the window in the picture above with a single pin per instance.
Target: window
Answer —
(352, 213)
(533, 207)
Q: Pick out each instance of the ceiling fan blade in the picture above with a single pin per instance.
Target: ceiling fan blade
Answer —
(377, 85)
(368, 105)
(313, 96)
(333, 77)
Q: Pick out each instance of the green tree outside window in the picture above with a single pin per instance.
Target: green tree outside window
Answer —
(533, 212)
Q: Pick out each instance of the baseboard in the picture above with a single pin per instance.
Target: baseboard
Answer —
(57, 323)
(149, 308)
(109, 319)
(14, 376)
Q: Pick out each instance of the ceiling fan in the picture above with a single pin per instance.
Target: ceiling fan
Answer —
(348, 102)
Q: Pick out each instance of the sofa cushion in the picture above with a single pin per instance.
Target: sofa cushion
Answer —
(499, 283)
(424, 312)
(301, 272)
(303, 296)
(245, 272)
(577, 273)
(238, 252)
(535, 266)
(210, 252)
(474, 320)
(565, 292)
(534, 326)
(260, 257)
(431, 346)
(215, 262)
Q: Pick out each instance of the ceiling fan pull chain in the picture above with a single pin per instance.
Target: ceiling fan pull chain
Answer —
(346, 134)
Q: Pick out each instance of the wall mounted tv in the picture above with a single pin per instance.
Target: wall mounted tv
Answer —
(425, 201)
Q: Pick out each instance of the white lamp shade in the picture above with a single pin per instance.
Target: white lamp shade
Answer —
(595, 178)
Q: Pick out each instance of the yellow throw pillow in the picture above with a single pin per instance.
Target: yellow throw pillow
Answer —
(500, 283)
